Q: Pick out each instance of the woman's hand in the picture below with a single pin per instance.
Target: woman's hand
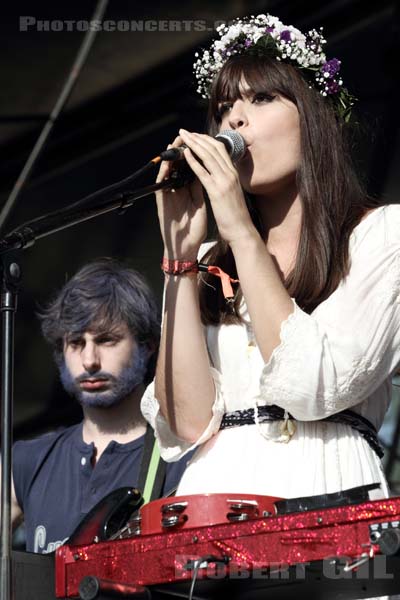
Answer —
(182, 215)
(221, 180)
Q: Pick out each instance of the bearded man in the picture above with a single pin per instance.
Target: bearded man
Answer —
(104, 329)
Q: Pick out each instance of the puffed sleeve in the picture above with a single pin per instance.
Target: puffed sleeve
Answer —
(172, 448)
(337, 356)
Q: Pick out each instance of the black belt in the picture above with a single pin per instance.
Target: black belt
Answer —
(276, 413)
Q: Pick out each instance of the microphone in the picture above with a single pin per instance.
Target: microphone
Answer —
(232, 140)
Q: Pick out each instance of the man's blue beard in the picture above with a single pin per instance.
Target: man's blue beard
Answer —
(118, 387)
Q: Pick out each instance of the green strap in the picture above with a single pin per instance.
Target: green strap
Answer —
(151, 473)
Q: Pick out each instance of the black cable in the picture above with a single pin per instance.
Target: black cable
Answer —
(197, 563)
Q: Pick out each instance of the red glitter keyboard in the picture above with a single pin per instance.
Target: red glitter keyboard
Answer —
(331, 546)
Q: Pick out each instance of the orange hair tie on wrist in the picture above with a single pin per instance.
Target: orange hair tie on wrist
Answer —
(226, 280)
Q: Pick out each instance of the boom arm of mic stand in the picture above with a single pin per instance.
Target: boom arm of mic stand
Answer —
(26, 235)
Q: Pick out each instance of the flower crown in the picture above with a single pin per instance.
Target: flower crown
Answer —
(267, 35)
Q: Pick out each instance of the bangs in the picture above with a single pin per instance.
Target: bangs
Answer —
(261, 74)
(105, 322)
(97, 310)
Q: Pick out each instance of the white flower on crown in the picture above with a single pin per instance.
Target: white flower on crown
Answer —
(271, 21)
(297, 35)
(218, 45)
(233, 32)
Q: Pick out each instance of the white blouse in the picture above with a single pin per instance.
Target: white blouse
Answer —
(341, 356)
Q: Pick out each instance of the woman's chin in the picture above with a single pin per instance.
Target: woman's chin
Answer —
(258, 185)
(255, 186)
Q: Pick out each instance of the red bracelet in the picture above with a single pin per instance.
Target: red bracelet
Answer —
(178, 267)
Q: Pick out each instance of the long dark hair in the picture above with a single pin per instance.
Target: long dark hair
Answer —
(332, 197)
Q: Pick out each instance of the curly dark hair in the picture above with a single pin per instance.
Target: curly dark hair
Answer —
(99, 297)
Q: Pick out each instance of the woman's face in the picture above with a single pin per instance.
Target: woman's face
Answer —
(271, 130)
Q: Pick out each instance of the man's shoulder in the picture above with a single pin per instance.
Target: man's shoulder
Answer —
(46, 440)
(29, 457)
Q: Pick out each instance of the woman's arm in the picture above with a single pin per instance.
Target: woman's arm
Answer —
(183, 384)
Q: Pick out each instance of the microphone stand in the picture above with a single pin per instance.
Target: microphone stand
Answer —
(10, 246)
(10, 277)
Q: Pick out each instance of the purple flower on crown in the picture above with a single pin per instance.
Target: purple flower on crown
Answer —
(285, 35)
(248, 43)
(331, 67)
(229, 50)
(332, 87)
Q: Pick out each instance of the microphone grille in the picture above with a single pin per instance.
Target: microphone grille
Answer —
(234, 143)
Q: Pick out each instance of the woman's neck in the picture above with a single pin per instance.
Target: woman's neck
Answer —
(281, 215)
